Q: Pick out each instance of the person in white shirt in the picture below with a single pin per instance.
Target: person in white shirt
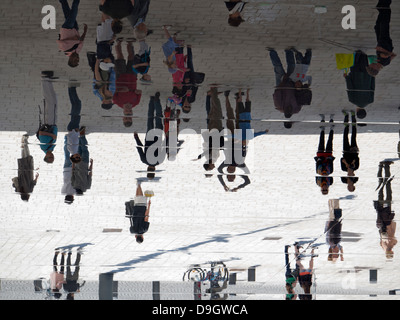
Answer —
(299, 75)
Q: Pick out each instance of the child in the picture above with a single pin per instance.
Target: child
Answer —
(69, 41)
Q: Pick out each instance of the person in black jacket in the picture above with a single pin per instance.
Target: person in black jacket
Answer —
(350, 161)
(71, 284)
(155, 144)
(360, 85)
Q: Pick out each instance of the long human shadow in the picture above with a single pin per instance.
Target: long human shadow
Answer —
(128, 265)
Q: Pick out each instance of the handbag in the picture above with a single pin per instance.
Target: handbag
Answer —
(344, 61)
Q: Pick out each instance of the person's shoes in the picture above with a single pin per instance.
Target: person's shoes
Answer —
(226, 93)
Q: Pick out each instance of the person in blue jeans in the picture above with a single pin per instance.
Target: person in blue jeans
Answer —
(278, 67)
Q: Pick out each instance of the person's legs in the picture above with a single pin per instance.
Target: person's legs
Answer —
(354, 146)
(329, 144)
(321, 145)
(382, 26)
(67, 160)
(50, 102)
(76, 106)
(346, 144)
(150, 115)
(230, 122)
(139, 191)
(278, 68)
(307, 57)
(159, 113)
(208, 106)
(70, 14)
(83, 149)
(190, 58)
(291, 63)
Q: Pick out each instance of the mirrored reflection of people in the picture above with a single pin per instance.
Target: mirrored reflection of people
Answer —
(213, 142)
(47, 133)
(117, 9)
(324, 160)
(350, 161)
(141, 60)
(291, 276)
(360, 85)
(57, 277)
(138, 211)
(71, 284)
(384, 49)
(25, 182)
(149, 153)
(383, 206)
(284, 95)
(333, 231)
(173, 52)
(187, 89)
(70, 41)
(302, 81)
(236, 10)
(67, 190)
(305, 277)
(81, 177)
(126, 96)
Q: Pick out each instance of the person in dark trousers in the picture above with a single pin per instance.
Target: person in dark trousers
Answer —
(350, 161)
(333, 231)
(24, 183)
(71, 285)
(383, 206)
(324, 160)
(291, 276)
(360, 84)
(384, 49)
(138, 211)
(154, 121)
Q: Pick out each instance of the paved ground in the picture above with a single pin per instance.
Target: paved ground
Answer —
(193, 220)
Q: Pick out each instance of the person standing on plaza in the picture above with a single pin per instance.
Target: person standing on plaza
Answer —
(360, 84)
(154, 121)
(57, 277)
(138, 211)
(70, 41)
(47, 132)
(24, 183)
(350, 161)
(324, 160)
(71, 284)
(384, 49)
(126, 96)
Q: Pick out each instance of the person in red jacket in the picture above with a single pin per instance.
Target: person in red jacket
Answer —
(126, 95)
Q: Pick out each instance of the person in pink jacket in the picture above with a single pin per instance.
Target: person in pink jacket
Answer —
(70, 41)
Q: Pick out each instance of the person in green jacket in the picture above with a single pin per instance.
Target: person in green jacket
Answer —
(360, 85)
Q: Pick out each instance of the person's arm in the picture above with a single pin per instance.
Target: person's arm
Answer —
(146, 214)
(133, 2)
(139, 148)
(49, 134)
(91, 167)
(245, 183)
(96, 70)
(221, 180)
(36, 178)
(85, 28)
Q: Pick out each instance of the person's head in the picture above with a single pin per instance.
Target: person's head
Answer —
(389, 254)
(186, 107)
(79, 192)
(70, 296)
(25, 196)
(56, 293)
(146, 77)
(361, 113)
(127, 119)
(231, 169)
(73, 60)
(151, 172)
(208, 166)
(373, 69)
(235, 19)
(106, 105)
(231, 177)
(171, 64)
(49, 157)
(288, 124)
(288, 115)
(324, 189)
(75, 158)
(298, 84)
(139, 238)
(69, 199)
(116, 26)
(140, 31)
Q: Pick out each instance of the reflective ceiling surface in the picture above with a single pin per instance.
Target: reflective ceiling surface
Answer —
(307, 210)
